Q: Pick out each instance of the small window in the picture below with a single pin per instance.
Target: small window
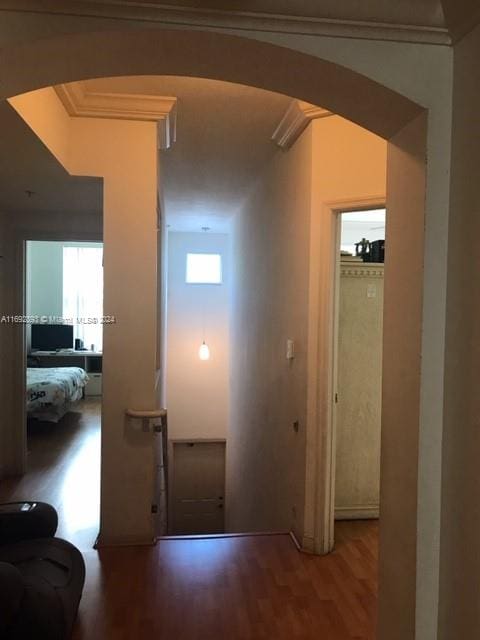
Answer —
(204, 268)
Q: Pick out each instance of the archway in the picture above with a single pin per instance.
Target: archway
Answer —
(369, 104)
(207, 55)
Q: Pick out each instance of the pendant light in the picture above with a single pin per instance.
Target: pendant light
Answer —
(204, 351)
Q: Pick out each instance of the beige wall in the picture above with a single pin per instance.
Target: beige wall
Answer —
(278, 255)
(460, 568)
(46, 116)
(125, 155)
(349, 170)
(197, 391)
(349, 163)
(265, 456)
(401, 392)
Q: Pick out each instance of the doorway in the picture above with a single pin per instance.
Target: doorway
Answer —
(63, 344)
(358, 346)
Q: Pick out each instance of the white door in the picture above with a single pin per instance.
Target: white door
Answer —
(198, 488)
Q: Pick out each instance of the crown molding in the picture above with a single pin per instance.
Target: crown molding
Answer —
(81, 103)
(297, 117)
(236, 20)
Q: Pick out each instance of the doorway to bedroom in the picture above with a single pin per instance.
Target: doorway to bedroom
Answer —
(64, 344)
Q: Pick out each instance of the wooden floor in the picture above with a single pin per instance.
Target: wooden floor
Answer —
(245, 588)
(63, 465)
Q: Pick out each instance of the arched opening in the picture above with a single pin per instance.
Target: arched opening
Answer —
(366, 103)
(208, 55)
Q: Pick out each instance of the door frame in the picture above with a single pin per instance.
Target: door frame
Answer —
(336, 319)
(325, 279)
(20, 302)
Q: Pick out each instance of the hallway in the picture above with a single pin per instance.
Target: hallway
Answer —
(240, 588)
(237, 588)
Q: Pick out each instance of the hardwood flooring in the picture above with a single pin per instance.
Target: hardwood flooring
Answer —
(63, 468)
(245, 588)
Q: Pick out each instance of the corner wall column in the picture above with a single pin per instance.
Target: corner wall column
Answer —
(125, 153)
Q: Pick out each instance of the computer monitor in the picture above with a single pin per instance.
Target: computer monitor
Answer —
(51, 337)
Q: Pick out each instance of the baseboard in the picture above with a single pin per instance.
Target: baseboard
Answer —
(207, 536)
(308, 544)
(122, 541)
(358, 512)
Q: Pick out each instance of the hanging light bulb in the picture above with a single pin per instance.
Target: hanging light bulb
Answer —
(204, 351)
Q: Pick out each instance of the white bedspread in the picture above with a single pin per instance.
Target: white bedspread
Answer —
(51, 391)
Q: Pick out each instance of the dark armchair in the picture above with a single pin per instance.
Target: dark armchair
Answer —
(41, 577)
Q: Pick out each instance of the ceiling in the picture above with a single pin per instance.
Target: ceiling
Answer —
(436, 21)
(223, 138)
(449, 15)
(26, 165)
(418, 12)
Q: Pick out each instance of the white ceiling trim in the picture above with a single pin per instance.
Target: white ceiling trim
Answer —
(238, 20)
(297, 117)
(81, 103)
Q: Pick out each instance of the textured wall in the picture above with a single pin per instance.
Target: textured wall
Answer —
(265, 456)
(359, 388)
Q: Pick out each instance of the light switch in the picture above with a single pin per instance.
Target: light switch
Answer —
(290, 349)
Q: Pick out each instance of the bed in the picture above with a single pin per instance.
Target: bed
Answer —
(51, 391)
